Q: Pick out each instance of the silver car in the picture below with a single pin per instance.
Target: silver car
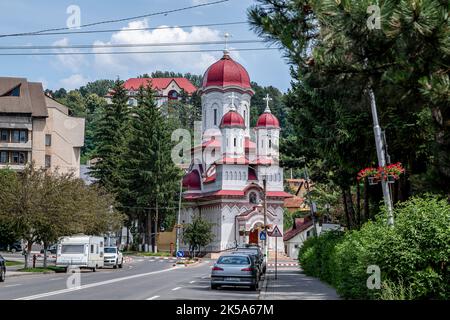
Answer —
(235, 270)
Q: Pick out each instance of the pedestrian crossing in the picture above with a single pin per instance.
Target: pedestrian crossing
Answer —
(294, 264)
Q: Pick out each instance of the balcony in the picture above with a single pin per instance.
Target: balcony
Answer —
(16, 145)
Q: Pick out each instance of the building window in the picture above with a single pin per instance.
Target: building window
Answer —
(15, 136)
(235, 142)
(3, 157)
(15, 92)
(22, 157)
(173, 95)
(23, 136)
(15, 158)
(270, 143)
(4, 135)
(48, 161)
(215, 117)
(253, 198)
(48, 140)
(245, 117)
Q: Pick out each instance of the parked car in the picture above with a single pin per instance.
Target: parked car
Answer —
(255, 258)
(12, 247)
(235, 270)
(51, 249)
(256, 250)
(2, 269)
(113, 257)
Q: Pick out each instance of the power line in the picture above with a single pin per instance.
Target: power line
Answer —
(125, 30)
(118, 20)
(126, 45)
(130, 52)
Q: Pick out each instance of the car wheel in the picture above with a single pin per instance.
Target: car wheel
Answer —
(2, 276)
(13, 250)
(115, 265)
(121, 264)
(94, 268)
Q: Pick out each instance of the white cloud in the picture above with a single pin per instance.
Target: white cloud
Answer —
(194, 62)
(197, 2)
(73, 82)
(72, 63)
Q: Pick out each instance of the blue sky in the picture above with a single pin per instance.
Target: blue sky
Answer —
(265, 67)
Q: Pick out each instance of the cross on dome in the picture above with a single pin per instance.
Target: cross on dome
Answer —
(267, 99)
(232, 97)
(226, 36)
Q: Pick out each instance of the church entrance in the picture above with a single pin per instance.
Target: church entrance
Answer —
(253, 237)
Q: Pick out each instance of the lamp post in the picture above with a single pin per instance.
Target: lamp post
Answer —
(266, 248)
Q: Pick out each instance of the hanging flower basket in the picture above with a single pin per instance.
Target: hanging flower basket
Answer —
(389, 173)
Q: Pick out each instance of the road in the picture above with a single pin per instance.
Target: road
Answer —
(141, 279)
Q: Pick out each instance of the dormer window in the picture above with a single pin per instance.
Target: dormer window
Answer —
(15, 92)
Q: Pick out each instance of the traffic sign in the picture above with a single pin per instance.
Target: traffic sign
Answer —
(180, 254)
(276, 232)
(262, 236)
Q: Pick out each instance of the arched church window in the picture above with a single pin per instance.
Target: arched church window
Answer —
(226, 175)
(235, 142)
(240, 175)
(270, 143)
(253, 198)
(245, 117)
(215, 117)
(279, 177)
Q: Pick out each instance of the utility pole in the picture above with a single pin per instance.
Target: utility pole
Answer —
(266, 248)
(381, 156)
(311, 205)
(179, 217)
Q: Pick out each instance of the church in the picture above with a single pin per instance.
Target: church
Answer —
(230, 166)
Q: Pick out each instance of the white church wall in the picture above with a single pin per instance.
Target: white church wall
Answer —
(234, 177)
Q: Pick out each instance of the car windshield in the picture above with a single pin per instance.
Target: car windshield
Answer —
(110, 250)
(233, 260)
(72, 248)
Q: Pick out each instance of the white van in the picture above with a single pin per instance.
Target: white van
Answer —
(80, 251)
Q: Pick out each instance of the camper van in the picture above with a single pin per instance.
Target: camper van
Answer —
(80, 251)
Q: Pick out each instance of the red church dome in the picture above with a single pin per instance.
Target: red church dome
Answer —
(268, 120)
(232, 119)
(192, 181)
(226, 72)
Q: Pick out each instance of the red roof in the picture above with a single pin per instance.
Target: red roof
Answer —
(191, 181)
(301, 224)
(226, 72)
(159, 83)
(280, 194)
(232, 119)
(267, 120)
(225, 160)
(210, 179)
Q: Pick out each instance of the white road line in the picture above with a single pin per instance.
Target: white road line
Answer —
(92, 285)
(192, 281)
(177, 288)
(12, 285)
(153, 298)
(53, 279)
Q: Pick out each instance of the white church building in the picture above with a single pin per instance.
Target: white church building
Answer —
(224, 183)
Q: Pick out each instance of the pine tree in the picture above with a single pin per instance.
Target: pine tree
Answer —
(150, 178)
(109, 135)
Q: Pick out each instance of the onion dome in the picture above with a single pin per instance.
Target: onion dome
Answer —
(232, 119)
(191, 181)
(267, 120)
(226, 72)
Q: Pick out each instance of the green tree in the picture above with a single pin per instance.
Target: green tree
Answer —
(150, 179)
(75, 102)
(98, 87)
(94, 107)
(197, 234)
(110, 135)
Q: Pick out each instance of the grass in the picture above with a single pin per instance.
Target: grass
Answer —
(13, 263)
(147, 254)
(39, 269)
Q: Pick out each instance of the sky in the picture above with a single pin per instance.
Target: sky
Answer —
(266, 67)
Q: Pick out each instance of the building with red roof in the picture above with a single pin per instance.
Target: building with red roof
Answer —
(230, 166)
(166, 88)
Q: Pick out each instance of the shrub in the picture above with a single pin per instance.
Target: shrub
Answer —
(412, 256)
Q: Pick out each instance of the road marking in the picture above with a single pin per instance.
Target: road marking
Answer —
(177, 288)
(53, 279)
(205, 277)
(92, 285)
(13, 285)
(192, 281)
(153, 298)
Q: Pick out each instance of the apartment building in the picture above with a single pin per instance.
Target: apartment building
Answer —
(36, 128)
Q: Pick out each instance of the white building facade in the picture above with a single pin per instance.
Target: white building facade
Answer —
(225, 181)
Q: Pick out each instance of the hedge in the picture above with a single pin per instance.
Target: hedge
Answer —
(413, 256)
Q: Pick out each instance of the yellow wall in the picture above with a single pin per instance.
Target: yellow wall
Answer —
(165, 239)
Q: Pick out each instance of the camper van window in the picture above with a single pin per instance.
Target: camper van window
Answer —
(110, 250)
(92, 248)
(101, 244)
(96, 248)
(72, 249)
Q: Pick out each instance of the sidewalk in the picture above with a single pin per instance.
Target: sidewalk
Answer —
(293, 284)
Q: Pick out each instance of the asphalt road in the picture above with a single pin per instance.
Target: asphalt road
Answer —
(141, 279)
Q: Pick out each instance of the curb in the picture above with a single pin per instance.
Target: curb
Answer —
(263, 292)
(28, 274)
